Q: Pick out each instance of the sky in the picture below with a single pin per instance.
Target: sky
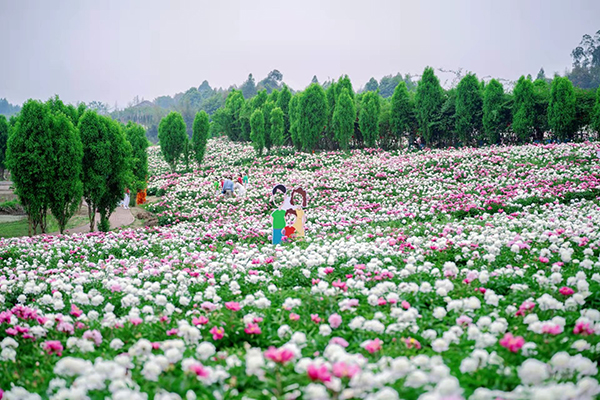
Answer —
(112, 51)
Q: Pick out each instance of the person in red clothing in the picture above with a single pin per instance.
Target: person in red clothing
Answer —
(240, 180)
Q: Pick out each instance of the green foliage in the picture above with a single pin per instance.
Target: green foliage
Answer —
(257, 134)
(266, 109)
(402, 113)
(561, 110)
(343, 119)
(468, 109)
(428, 102)
(372, 85)
(55, 105)
(136, 136)
(313, 116)
(277, 127)
(493, 97)
(65, 169)
(200, 136)
(248, 88)
(596, 115)
(295, 121)
(283, 102)
(344, 83)
(233, 107)
(172, 138)
(118, 173)
(29, 155)
(523, 109)
(259, 100)
(3, 144)
(369, 118)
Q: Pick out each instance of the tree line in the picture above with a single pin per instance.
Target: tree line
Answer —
(59, 154)
(474, 113)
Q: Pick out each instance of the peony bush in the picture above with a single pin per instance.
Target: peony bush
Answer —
(454, 274)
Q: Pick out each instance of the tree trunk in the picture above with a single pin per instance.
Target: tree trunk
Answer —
(91, 217)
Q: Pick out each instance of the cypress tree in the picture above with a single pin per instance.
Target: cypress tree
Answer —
(172, 138)
(266, 109)
(313, 116)
(28, 157)
(468, 109)
(402, 111)
(428, 101)
(561, 109)
(283, 102)
(66, 169)
(596, 113)
(136, 136)
(277, 127)
(200, 136)
(523, 110)
(295, 121)
(257, 134)
(343, 119)
(3, 144)
(369, 118)
(493, 97)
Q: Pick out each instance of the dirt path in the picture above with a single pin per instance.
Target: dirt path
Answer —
(121, 217)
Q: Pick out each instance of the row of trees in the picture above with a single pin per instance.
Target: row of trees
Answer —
(58, 154)
(473, 113)
(174, 141)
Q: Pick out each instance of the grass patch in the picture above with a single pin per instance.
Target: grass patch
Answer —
(20, 228)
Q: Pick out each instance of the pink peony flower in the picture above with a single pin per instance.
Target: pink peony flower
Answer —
(217, 333)
(280, 356)
(172, 332)
(373, 346)
(343, 370)
(328, 270)
(76, 312)
(544, 260)
(252, 329)
(94, 335)
(513, 344)
(335, 320)
(405, 304)
(201, 320)
(552, 329)
(412, 343)
(318, 373)
(464, 320)
(315, 318)
(53, 347)
(339, 341)
(136, 320)
(294, 317)
(199, 370)
(583, 328)
(233, 306)
(566, 291)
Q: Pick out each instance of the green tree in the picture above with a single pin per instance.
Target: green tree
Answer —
(402, 112)
(55, 105)
(136, 136)
(248, 88)
(372, 85)
(277, 127)
(29, 154)
(343, 119)
(66, 169)
(313, 116)
(596, 115)
(3, 143)
(200, 136)
(257, 134)
(428, 102)
(172, 137)
(468, 109)
(493, 98)
(561, 110)
(118, 174)
(266, 109)
(259, 100)
(523, 110)
(295, 120)
(283, 102)
(233, 108)
(369, 118)
(344, 83)
(541, 98)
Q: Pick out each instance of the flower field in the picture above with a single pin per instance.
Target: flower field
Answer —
(454, 274)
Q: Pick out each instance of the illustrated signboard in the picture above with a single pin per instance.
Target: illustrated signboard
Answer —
(289, 218)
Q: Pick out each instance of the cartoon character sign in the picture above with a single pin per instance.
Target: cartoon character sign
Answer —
(291, 211)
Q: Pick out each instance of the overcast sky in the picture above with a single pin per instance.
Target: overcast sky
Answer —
(114, 50)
